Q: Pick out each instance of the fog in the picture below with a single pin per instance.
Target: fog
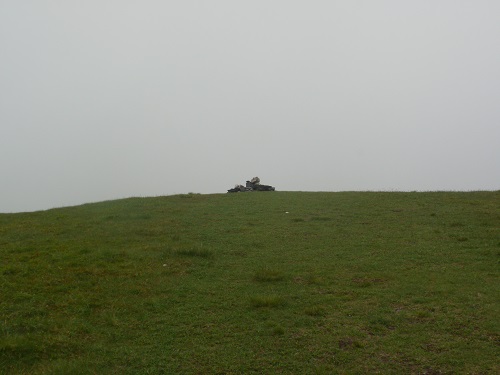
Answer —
(108, 99)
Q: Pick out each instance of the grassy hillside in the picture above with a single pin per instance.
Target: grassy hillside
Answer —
(264, 283)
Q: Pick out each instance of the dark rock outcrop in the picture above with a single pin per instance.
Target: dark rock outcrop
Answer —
(252, 185)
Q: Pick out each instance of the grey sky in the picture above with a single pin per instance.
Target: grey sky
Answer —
(116, 98)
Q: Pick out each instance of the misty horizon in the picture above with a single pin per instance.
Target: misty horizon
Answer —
(116, 99)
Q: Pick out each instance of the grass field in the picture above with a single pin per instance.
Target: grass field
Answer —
(254, 283)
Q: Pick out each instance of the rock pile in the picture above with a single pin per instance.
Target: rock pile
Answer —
(252, 185)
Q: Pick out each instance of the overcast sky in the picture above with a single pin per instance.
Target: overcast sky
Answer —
(105, 99)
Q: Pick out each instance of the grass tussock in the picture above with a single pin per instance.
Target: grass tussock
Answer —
(267, 301)
(196, 253)
(317, 310)
(268, 275)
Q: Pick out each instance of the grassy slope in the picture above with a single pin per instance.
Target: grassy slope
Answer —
(231, 283)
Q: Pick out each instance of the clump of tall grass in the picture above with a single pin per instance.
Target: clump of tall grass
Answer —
(196, 252)
(268, 275)
(268, 301)
(316, 310)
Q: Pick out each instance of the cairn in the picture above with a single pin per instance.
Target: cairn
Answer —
(252, 185)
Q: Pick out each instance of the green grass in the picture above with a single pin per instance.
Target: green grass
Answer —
(393, 283)
(268, 275)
